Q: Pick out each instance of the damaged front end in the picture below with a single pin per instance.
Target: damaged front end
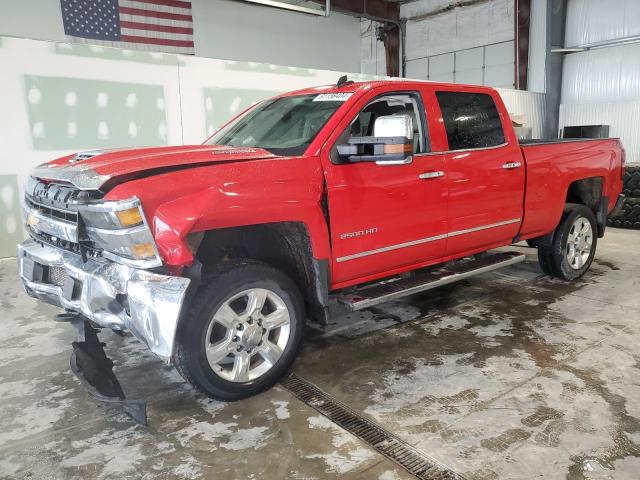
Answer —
(104, 294)
(95, 370)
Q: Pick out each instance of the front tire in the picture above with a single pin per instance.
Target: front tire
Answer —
(573, 246)
(242, 332)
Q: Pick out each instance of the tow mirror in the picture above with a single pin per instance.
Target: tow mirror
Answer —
(391, 143)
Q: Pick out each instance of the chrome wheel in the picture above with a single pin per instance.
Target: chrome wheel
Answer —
(579, 243)
(247, 335)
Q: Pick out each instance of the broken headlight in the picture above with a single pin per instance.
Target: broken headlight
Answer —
(120, 229)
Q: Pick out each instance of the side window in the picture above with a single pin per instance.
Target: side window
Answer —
(471, 120)
(388, 104)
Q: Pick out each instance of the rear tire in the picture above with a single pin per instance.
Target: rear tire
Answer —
(629, 217)
(573, 246)
(631, 182)
(242, 332)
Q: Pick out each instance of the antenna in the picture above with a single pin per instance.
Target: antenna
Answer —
(342, 81)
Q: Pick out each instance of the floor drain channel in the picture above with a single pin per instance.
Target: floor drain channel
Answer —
(386, 443)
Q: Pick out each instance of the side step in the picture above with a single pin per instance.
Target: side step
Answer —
(425, 279)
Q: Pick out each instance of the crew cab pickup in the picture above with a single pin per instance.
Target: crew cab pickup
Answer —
(215, 255)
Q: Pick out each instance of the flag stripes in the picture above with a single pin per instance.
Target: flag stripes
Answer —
(155, 25)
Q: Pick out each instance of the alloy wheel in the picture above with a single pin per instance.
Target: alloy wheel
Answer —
(579, 243)
(247, 335)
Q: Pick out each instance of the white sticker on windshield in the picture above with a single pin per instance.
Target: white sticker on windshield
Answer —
(332, 97)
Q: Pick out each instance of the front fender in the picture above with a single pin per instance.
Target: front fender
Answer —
(231, 195)
(207, 210)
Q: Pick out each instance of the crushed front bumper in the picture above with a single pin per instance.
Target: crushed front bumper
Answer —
(109, 294)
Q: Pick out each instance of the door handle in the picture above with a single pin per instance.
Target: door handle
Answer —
(428, 175)
(511, 165)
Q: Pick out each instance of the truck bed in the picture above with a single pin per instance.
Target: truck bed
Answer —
(553, 165)
(552, 141)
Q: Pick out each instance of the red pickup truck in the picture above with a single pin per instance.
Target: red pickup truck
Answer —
(215, 255)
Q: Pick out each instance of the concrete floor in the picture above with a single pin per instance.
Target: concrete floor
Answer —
(508, 375)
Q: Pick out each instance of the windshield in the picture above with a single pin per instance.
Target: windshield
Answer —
(283, 126)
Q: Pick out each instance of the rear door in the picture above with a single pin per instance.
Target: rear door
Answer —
(384, 217)
(484, 168)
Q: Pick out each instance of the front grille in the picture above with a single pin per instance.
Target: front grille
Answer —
(60, 202)
(63, 197)
(59, 214)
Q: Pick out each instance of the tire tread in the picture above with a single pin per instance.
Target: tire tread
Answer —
(631, 182)
(225, 272)
(629, 217)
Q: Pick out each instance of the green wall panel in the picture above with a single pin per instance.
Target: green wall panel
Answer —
(71, 113)
(105, 53)
(11, 232)
(267, 68)
(222, 104)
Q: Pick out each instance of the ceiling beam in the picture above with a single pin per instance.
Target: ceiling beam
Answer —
(522, 20)
(379, 10)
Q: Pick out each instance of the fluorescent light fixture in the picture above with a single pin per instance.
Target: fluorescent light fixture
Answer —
(322, 12)
(567, 50)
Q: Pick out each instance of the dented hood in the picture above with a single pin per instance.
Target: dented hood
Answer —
(102, 169)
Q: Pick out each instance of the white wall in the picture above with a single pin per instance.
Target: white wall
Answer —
(237, 31)
(373, 60)
(601, 75)
(39, 19)
(602, 86)
(227, 30)
(472, 44)
(530, 106)
(536, 75)
(65, 98)
(592, 21)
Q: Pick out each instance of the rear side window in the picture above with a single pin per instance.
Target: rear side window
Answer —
(471, 120)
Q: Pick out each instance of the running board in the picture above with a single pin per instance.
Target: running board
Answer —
(372, 294)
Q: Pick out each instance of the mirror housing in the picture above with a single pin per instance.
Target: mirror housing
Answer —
(391, 143)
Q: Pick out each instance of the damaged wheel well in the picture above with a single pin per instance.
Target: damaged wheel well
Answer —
(285, 246)
(588, 192)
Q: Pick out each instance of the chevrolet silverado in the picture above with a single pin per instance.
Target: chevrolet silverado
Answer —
(215, 255)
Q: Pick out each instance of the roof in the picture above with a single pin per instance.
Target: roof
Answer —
(353, 87)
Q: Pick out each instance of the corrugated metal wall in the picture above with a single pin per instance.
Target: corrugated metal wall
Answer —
(529, 104)
(623, 117)
(472, 44)
(592, 21)
(602, 85)
(604, 75)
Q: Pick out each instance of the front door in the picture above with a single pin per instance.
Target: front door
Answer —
(385, 217)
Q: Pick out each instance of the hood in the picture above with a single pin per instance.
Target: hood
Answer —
(102, 169)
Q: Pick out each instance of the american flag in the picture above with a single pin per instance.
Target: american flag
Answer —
(156, 25)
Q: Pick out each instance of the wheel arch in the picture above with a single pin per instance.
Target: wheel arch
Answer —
(286, 246)
(589, 191)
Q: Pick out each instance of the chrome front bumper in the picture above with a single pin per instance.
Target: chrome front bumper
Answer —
(110, 294)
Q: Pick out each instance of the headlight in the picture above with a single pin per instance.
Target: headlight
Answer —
(113, 215)
(120, 229)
